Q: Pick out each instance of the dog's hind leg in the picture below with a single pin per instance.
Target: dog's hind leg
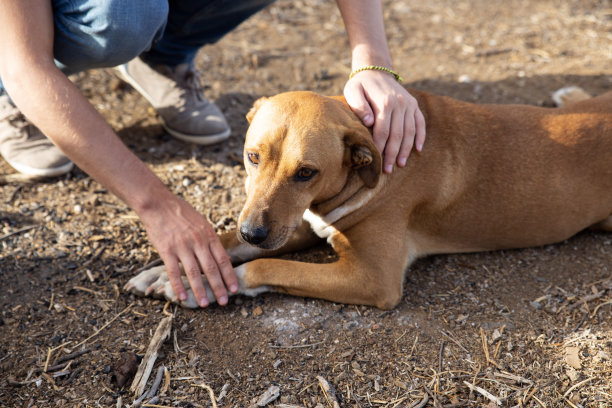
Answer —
(569, 95)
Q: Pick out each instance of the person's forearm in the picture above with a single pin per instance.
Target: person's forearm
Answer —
(365, 29)
(62, 113)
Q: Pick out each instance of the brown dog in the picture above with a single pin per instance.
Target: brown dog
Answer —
(490, 177)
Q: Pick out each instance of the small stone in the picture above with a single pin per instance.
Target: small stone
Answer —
(572, 374)
(536, 305)
(465, 79)
(572, 357)
(124, 368)
(258, 311)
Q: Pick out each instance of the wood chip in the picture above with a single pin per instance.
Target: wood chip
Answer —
(267, 397)
(329, 392)
(144, 370)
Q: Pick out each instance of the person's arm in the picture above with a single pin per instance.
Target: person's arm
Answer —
(376, 96)
(62, 113)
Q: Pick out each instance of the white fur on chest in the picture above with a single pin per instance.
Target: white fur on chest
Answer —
(319, 225)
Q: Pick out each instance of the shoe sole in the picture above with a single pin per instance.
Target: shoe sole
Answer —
(35, 172)
(203, 140)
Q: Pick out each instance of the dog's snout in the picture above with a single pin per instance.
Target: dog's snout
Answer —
(253, 235)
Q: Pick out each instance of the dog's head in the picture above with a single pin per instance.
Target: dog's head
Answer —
(299, 150)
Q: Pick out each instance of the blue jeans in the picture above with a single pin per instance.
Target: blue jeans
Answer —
(106, 33)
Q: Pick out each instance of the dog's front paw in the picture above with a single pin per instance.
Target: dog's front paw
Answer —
(155, 282)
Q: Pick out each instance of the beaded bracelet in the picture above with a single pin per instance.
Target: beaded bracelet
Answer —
(398, 78)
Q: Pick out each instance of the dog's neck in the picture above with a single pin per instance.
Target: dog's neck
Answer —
(354, 195)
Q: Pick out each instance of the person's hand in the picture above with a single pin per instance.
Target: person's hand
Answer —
(398, 124)
(182, 236)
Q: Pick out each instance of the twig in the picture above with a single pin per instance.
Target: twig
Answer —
(104, 326)
(517, 378)
(440, 357)
(16, 232)
(433, 397)
(483, 392)
(329, 392)
(609, 302)
(144, 370)
(586, 299)
(494, 51)
(422, 403)
(156, 382)
(71, 356)
(485, 347)
(416, 339)
(211, 393)
(454, 341)
(539, 402)
(584, 317)
(296, 346)
(570, 403)
(149, 265)
(573, 387)
(166, 382)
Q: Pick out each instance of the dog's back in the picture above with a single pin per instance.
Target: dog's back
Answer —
(504, 176)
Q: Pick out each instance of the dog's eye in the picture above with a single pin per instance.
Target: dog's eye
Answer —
(305, 174)
(253, 158)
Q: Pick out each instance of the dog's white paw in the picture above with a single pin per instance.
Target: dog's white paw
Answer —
(568, 95)
(155, 282)
(140, 284)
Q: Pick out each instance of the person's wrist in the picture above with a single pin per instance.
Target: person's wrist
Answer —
(151, 199)
(363, 56)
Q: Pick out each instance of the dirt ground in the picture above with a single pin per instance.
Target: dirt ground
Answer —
(529, 327)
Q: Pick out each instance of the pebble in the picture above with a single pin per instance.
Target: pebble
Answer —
(258, 311)
(465, 79)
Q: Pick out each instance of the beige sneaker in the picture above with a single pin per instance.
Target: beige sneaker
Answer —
(25, 148)
(177, 97)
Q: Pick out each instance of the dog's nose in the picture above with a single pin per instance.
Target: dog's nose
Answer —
(253, 235)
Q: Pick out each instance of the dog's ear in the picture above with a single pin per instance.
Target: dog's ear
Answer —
(363, 156)
(256, 105)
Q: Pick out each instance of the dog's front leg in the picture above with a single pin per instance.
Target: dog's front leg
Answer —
(369, 270)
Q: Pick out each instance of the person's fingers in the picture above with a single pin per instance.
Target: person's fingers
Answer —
(194, 275)
(419, 120)
(394, 141)
(174, 276)
(357, 101)
(407, 140)
(213, 276)
(224, 264)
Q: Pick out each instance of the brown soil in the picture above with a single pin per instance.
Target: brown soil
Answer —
(532, 327)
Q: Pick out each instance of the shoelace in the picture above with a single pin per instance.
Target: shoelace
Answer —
(192, 82)
(14, 117)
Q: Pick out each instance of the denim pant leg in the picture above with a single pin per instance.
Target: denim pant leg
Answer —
(104, 33)
(192, 24)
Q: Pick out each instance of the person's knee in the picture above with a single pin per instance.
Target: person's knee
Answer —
(115, 33)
